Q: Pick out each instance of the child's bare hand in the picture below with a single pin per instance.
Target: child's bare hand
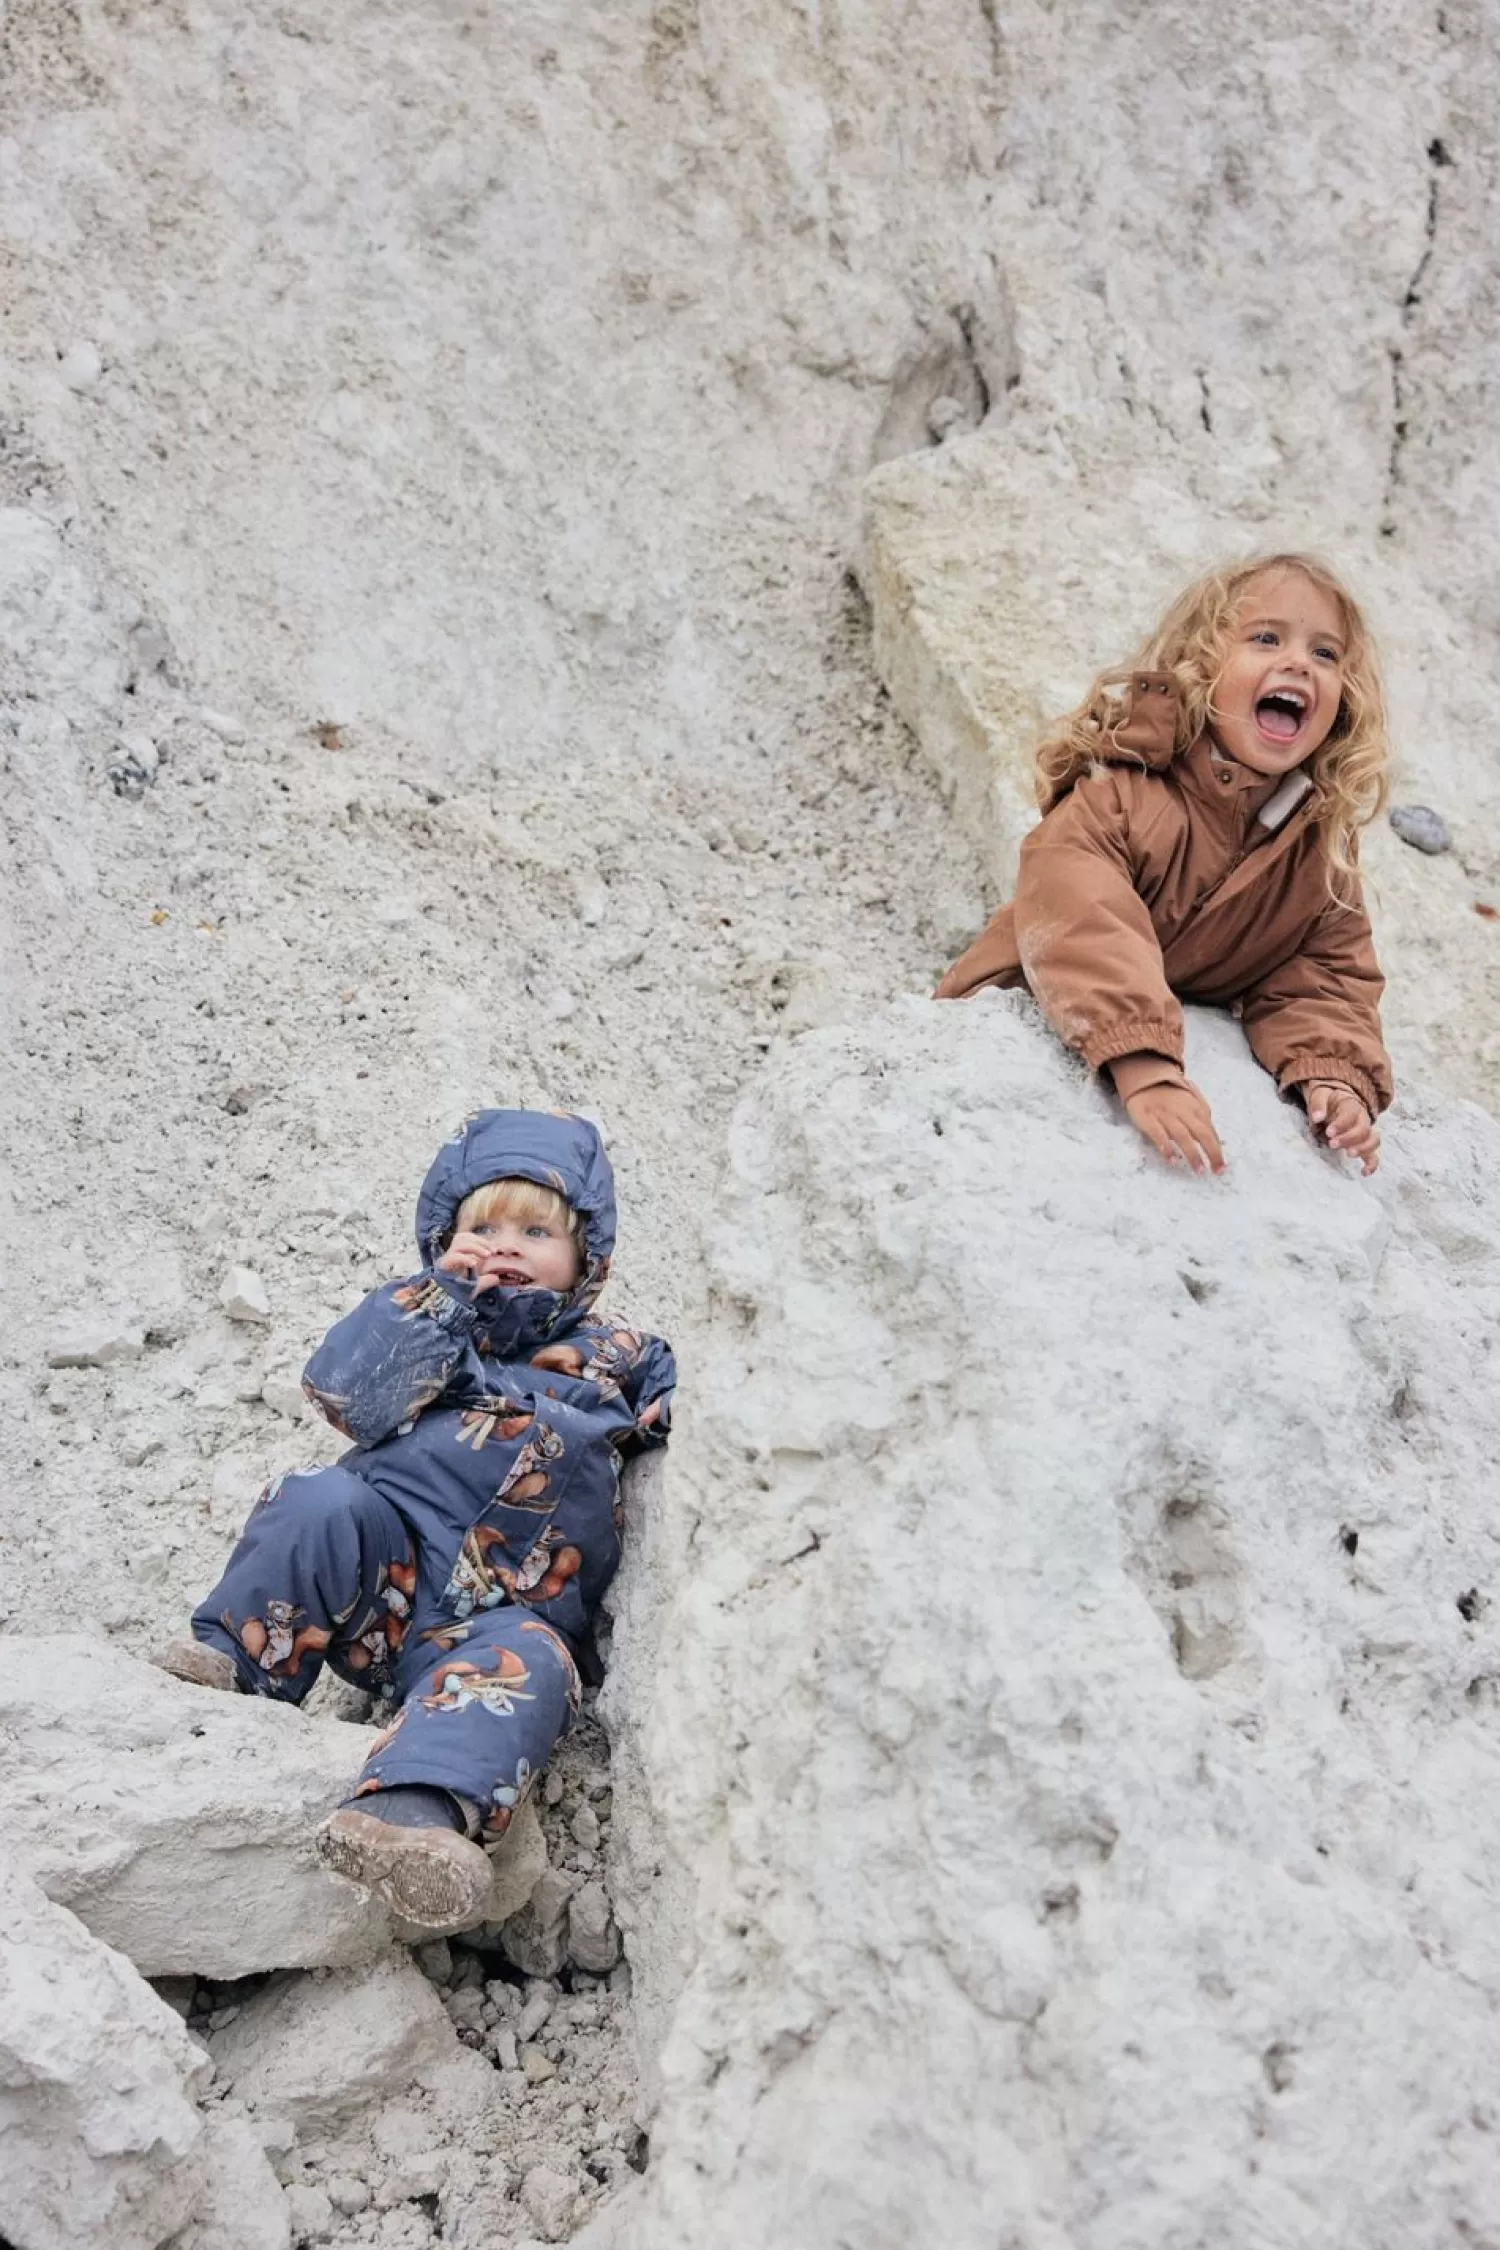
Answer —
(1178, 1123)
(473, 1259)
(1341, 1121)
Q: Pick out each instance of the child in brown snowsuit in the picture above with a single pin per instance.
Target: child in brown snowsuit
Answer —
(1201, 819)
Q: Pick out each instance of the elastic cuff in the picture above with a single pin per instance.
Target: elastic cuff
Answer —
(1337, 1069)
(1153, 1037)
(1132, 1074)
(446, 1298)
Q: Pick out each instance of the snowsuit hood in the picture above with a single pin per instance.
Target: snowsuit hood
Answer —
(555, 1150)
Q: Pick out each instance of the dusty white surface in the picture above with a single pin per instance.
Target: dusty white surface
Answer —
(1079, 1599)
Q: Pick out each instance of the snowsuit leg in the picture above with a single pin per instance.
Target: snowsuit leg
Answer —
(324, 1569)
(480, 1715)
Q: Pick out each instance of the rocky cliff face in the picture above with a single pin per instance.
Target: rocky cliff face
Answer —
(432, 447)
(1081, 1591)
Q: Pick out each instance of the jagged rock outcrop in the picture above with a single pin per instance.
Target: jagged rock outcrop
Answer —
(178, 1823)
(1083, 1598)
(101, 2138)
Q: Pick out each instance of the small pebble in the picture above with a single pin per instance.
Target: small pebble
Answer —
(348, 2195)
(1422, 828)
(97, 1341)
(81, 367)
(219, 723)
(585, 1827)
(435, 1960)
(552, 1788)
(466, 2009)
(243, 1295)
(548, 2197)
(416, 2175)
(309, 2213)
(537, 2066)
(535, 2013)
(503, 2047)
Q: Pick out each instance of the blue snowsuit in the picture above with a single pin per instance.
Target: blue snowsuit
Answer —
(452, 1559)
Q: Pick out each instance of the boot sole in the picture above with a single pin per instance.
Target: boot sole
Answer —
(431, 1876)
(199, 1665)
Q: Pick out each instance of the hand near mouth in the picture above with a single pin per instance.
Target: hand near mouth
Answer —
(478, 1261)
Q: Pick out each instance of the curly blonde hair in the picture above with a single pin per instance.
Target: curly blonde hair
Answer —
(1352, 765)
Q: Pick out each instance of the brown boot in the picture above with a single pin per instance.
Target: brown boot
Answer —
(431, 1876)
(196, 1661)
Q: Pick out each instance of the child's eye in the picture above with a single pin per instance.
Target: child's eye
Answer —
(539, 1229)
(1264, 633)
(1329, 655)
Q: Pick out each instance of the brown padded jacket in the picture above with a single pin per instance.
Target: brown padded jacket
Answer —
(1163, 873)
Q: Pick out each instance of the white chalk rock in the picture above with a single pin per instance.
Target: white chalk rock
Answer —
(535, 1940)
(96, 1340)
(243, 1295)
(221, 724)
(174, 1821)
(324, 2047)
(242, 2205)
(547, 2198)
(139, 748)
(81, 367)
(593, 1940)
(1087, 1815)
(100, 2134)
(178, 1822)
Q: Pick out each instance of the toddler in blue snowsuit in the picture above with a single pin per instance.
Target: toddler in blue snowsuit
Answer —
(452, 1559)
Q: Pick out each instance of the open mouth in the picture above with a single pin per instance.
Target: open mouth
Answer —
(511, 1277)
(1279, 715)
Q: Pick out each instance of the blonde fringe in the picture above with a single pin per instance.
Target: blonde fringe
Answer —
(1351, 767)
(524, 1202)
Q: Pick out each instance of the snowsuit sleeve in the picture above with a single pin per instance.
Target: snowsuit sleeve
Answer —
(392, 1356)
(1086, 942)
(1318, 1015)
(651, 1383)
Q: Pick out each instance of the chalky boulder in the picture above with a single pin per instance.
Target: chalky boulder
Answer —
(178, 1822)
(1087, 1831)
(101, 2140)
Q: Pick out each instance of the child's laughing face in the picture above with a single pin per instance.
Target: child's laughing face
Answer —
(1277, 695)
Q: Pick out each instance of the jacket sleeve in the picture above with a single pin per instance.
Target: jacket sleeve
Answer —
(1318, 1015)
(651, 1384)
(393, 1355)
(1084, 934)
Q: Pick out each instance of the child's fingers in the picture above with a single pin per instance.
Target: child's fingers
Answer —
(1350, 1130)
(1160, 1139)
(1208, 1141)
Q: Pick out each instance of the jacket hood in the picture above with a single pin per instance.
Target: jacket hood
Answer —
(557, 1151)
(1146, 731)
